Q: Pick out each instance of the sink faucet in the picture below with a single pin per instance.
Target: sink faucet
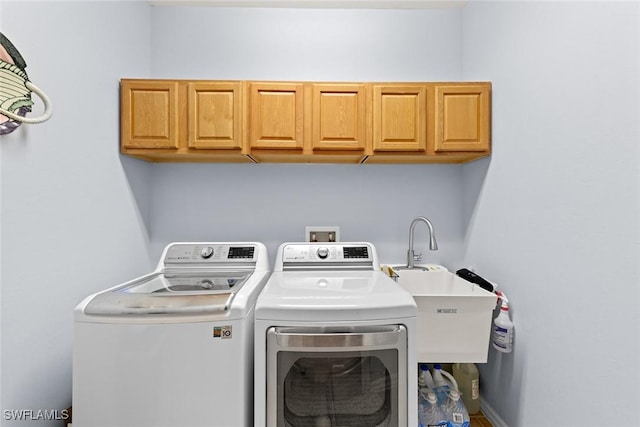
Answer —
(433, 245)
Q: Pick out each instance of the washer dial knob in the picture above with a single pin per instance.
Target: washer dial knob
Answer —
(206, 252)
(323, 252)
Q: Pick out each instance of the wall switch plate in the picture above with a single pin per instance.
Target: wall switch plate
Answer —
(322, 233)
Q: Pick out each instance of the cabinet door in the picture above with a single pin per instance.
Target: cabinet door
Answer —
(149, 114)
(463, 117)
(399, 118)
(339, 120)
(277, 116)
(215, 115)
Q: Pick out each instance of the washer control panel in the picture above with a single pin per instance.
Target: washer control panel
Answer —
(330, 254)
(209, 253)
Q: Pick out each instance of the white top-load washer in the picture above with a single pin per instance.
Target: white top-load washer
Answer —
(173, 348)
(334, 341)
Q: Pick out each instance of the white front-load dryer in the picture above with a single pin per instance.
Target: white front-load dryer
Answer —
(334, 341)
(173, 348)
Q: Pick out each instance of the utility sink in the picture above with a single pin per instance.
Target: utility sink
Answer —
(407, 268)
(454, 315)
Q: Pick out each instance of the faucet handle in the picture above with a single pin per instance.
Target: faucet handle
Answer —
(417, 257)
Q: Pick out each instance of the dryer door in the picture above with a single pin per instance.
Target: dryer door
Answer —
(325, 377)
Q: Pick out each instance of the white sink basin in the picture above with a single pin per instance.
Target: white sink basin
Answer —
(454, 316)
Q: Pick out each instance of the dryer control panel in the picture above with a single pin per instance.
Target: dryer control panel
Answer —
(331, 255)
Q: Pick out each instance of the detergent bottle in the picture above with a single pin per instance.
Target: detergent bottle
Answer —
(468, 378)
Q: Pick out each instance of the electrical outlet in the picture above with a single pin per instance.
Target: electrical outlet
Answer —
(322, 233)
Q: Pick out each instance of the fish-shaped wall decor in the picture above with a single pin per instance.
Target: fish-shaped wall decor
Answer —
(16, 89)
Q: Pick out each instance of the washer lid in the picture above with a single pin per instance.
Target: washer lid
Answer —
(333, 296)
(171, 293)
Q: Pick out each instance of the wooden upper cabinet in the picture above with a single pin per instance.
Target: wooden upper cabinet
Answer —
(339, 117)
(463, 117)
(215, 115)
(149, 114)
(276, 116)
(243, 121)
(183, 121)
(307, 122)
(399, 118)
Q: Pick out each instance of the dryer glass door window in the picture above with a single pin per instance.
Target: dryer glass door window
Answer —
(323, 378)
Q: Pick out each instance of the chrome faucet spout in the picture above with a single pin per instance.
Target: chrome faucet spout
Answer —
(433, 245)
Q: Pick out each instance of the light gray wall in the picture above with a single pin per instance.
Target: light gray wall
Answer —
(306, 44)
(70, 220)
(553, 216)
(77, 217)
(273, 203)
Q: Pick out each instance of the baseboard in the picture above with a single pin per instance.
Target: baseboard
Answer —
(492, 415)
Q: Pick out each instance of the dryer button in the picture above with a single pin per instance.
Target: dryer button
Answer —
(323, 253)
(206, 252)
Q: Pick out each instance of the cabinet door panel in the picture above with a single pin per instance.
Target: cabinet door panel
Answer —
(339, 117)
(462, 118)
(277, 116)
(215, 115)
(399, 118)
(149, 114)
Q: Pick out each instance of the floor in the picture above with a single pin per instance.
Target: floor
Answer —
(479, 420)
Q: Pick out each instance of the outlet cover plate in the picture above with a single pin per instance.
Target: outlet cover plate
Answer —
(322, 233)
